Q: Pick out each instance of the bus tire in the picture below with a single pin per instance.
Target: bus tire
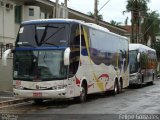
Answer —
(141, 79)
(38, 101)
(115, 90)
(141, 83)
(152, 82)
(83, 93)
(120, 86)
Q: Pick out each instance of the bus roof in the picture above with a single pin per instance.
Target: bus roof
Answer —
(91, 25)
(134, 46)
(51, 20)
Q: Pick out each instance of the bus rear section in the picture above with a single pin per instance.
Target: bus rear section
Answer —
(143, 62)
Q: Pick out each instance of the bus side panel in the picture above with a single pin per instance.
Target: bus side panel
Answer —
(104, 58)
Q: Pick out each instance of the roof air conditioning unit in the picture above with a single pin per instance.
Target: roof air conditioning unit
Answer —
(9, 6)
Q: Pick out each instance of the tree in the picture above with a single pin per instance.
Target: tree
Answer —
(156, 46)
(150, 27)
(138, 9)
(115, 23)
(100, 17)
(126, 21)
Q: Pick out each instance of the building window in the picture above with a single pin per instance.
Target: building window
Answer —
(45, 14)
(31, 12)
(18, 14)
(1, 3)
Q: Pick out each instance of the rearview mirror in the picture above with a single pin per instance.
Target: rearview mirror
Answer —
(67, 56)
(138, 57)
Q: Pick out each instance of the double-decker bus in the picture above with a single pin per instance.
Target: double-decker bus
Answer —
(143, 62)
(65, 58)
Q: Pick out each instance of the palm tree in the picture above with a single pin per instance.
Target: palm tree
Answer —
(137, 8)
(115, 23)
(100, 17)
(150, 27)
(126, 21)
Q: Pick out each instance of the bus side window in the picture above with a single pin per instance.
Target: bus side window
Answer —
(75, 51)
(83, 44)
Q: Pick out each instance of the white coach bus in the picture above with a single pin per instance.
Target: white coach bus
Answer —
(143, 62)
(64, 58)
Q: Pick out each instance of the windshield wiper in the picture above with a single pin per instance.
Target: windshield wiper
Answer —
(44, 33)
(35, 36)
(45, 41)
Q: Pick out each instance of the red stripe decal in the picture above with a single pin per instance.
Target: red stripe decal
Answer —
(104, 75)
(91, 85)
(77, 81)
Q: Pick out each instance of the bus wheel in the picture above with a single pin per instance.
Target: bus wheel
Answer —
(120, 87)
(38, 101)
(152, 82)
(141, 83)
(83, 93)
(141, 79)
(115, 90)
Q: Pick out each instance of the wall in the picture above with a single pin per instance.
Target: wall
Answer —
(1, 24)
(7, 23)
(6, 76)
(7, 35)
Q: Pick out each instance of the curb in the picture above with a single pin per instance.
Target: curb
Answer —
(12, 102)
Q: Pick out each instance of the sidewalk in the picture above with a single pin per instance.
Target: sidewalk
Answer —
(7, 98)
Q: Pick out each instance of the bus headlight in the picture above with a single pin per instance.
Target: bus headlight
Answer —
(18, 87)
(59, 87)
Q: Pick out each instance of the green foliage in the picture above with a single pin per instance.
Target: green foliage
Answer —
(136, 7)
(115, 23)
(100, 17)
(150, 26)
(156, 46)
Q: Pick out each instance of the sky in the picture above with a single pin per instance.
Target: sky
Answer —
(112, 11)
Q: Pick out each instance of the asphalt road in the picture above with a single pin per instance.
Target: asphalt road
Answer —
(132, 101)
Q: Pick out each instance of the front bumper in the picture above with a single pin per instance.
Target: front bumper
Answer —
(134, 79)
(37, 94)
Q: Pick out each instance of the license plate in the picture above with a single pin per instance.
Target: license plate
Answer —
(37, 94)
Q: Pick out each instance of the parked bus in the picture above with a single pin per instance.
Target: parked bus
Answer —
(143, 62)
(64, 58)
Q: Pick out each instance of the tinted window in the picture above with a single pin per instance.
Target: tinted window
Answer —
(43, 35)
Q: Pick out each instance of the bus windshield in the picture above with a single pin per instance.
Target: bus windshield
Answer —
(133, 64)
(49, 34)
(39, 65)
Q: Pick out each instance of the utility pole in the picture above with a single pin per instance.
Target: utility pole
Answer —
(57, 11)
(96, 11)
(66, 8)
(137, 21)
(3, 20)
(65, 2)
